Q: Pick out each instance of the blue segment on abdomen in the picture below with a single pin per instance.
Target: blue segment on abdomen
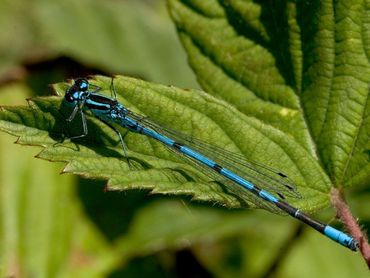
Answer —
(185, 150)
(210, 163)
(237, 179)
(158, 136)
(267, 196)
(193, 154)
(337, 235)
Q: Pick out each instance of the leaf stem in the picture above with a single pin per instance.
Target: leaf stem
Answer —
(345, 215)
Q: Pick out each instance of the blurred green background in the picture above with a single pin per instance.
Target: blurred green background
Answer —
(56, 225)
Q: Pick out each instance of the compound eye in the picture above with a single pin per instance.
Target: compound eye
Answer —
(82, 84)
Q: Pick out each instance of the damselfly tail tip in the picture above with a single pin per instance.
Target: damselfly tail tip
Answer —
(354, 245)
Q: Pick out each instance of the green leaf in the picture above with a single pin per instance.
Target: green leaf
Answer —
(100, 155)
(291, 103)
(123, 37)
(197, 225)
(38, 209)
(118, 37)
(299, 66)
(20, 31)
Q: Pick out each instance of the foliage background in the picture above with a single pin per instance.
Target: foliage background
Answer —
(61, 226)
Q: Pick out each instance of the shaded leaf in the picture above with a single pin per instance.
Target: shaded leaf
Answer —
(301, 67)
(117, 37)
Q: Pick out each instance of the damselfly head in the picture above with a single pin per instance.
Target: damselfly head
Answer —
(82, 84)
(75, 92)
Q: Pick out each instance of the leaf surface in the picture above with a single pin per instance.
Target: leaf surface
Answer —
(192, 112)
(302, 67)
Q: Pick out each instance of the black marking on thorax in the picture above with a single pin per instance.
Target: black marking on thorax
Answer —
(100, 102)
